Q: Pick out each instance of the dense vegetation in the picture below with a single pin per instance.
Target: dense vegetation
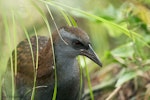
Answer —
(120, 34)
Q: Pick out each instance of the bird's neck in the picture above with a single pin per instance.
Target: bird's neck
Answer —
(67, 67)
(68, 77)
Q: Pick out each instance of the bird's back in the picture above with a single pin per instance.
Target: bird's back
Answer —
(27, 54)
(26, 62)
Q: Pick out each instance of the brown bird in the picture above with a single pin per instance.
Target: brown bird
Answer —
(68, 42)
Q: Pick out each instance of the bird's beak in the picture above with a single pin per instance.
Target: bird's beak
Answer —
(91, 54)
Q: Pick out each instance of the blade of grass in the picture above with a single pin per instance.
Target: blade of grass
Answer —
(31, 49)
(66, 17)
(36, 66)
(11, 59)
(89, 81)
(72, 21)
(15, 50)
(55, 87)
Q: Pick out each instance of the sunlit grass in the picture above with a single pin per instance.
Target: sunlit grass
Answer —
(36, 66)
(32, 54)
(89, 82)
(11, 59)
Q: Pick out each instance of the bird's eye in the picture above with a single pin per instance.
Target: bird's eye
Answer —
(77, 44)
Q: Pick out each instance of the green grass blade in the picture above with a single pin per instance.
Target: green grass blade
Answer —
(11, 59)
(36, 66)
(72, 21)
(66, 17)
(31, 49)
(29, 41)
(55, 87)
(15, 50)
(89, 81)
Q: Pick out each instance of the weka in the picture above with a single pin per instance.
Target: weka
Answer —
(73, 42)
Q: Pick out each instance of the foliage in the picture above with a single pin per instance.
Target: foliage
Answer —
(120, 33)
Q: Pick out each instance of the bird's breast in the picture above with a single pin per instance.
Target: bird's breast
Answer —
(68, 80)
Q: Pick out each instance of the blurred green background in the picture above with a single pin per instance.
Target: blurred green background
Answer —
(119, 31)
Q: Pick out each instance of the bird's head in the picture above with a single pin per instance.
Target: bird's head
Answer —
(72, 41)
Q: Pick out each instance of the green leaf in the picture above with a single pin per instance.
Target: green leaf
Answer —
(126, 50)
(125, 77)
